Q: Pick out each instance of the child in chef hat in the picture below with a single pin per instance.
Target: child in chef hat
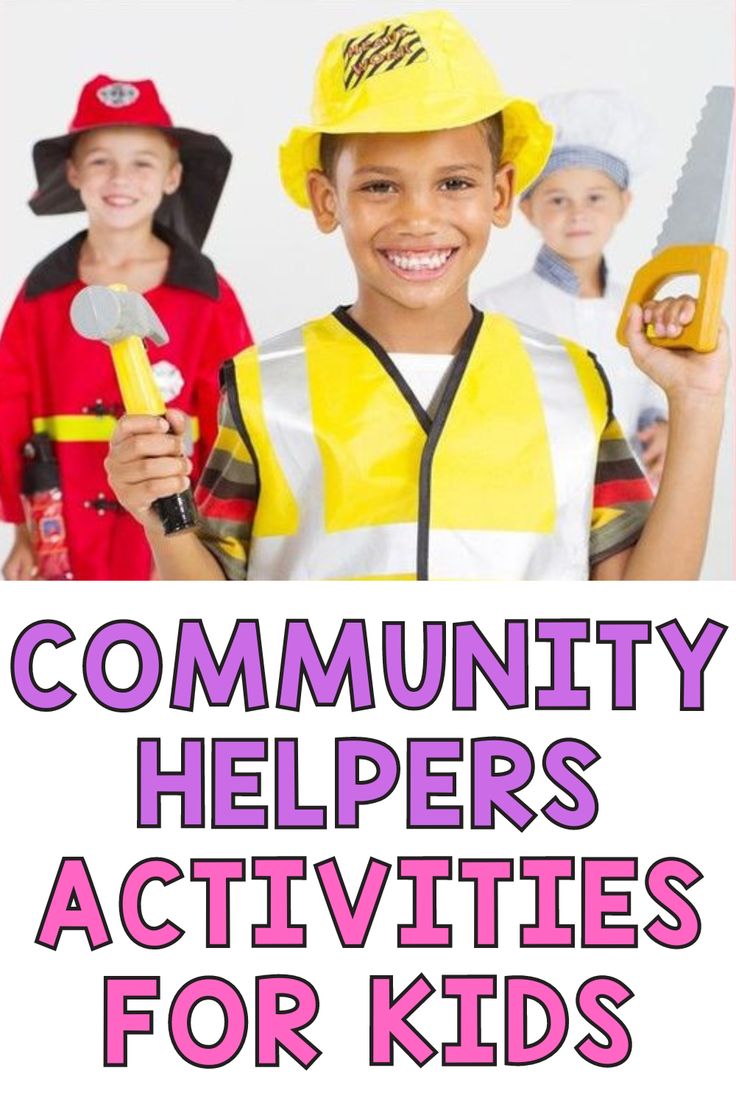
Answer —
(601, 142)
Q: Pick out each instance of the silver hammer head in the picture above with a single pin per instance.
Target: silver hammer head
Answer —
(105, 314)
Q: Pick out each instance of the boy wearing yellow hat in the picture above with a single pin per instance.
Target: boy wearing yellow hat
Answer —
(409, 436)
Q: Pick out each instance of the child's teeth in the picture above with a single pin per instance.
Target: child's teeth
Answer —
(419, 260)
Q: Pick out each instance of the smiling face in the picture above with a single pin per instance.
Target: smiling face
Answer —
(416, 211)
(576, 211)
(122, 174)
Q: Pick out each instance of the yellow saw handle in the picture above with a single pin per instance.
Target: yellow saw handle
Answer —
(709, 262)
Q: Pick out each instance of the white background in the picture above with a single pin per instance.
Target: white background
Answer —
(244, 71)
(664, 785)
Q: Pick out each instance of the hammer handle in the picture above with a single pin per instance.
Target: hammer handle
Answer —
(141, 396)
(136, 381)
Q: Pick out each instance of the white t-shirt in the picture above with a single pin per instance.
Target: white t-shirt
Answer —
(424, 372)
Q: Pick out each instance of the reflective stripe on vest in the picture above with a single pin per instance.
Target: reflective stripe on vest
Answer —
(356, 482)
(87, 427)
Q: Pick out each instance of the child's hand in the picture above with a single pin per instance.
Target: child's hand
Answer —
(21, 563)
(653, 439)
(679, 372)
(146, 462)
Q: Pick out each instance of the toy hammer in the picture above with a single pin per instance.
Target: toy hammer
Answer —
(121, 319)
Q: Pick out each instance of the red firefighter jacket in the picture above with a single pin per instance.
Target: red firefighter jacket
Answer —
(47, 372)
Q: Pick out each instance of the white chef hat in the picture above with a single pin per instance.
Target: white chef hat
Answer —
(599, 129)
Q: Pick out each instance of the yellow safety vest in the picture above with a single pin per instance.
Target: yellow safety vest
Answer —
(356, 481)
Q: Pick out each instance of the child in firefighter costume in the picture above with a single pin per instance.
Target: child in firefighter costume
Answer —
(150, 190)
(409, 436)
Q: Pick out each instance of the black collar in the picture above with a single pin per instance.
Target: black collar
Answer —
(452, 382)
(188, 268)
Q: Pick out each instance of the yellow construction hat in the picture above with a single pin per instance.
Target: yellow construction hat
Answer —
(409, 74)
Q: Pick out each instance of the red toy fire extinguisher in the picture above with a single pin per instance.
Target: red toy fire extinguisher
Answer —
(43, 503)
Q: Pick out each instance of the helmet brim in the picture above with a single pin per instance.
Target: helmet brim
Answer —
(189, 212)
(528, 137)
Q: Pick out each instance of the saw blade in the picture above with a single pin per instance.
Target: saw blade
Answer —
(696, 210)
